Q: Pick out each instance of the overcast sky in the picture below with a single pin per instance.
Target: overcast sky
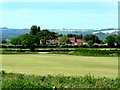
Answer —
(80, 15)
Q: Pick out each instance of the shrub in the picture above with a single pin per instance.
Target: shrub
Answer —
(95, 52)
(14, 80)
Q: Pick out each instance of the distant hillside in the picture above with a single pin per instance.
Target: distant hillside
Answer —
(10, 32)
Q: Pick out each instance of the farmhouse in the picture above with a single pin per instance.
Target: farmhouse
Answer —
(77, 41)
(80, 42)
(72, 40)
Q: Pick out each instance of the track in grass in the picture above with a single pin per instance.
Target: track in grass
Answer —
(44, 64)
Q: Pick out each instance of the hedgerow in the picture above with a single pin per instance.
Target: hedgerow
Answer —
(95, 52)
(51, 82)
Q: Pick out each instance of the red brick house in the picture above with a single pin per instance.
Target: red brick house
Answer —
(72, 40)
(77, 41)
(80, 42)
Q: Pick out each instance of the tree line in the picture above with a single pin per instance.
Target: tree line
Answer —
(38, 37)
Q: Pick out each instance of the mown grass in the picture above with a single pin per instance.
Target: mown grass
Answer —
(15, 80)
(69, 65)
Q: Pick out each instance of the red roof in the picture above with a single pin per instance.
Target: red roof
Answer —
(80, 41)
(72, 39)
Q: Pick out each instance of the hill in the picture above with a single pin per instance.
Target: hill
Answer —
(102, 33)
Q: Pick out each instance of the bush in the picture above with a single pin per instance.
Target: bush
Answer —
(14, 80)
(84, 46)
(95, 52)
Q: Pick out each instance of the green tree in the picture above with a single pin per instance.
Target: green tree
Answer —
(29, 41)
(3, 40)
(43, 41)
(34, 30)
(63, 39)
(39, 29)
(43, 35)
(46, 35)
(117, 39)
(36, 40)
(92, 37)
(15, 41)
(110, 40)
(81, 36)
(90, 43)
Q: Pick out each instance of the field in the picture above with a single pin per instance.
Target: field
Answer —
(44, 64)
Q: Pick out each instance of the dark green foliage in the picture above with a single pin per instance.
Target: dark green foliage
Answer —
(89, 52)
(29, 40)
(46, 35)
(34, 30)
(3, 40)
(43, 33)
(95, 52)
(52, 35)
(90, 43)
(110, 40)
(64, 40)
(64, 50)
(26, 40)
(13, 80)
(75, 36)
(117, 39)
(16, 41)
(39, 29)
(92, 37)
(84, 46)
(18, 52)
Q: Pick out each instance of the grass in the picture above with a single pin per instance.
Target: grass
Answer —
(13, 81)
(54, 64)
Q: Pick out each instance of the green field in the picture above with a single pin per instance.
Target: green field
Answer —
(44, 64)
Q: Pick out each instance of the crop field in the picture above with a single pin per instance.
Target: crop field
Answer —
(55, 64)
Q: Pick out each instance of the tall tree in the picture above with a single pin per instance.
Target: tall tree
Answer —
(92, 37)
(44, 35)
(29, 41)
(16, 41)
(118, 40)
(90, 43)
(110, 40)
(39, 29)
(63, 39)
(81, 36)
(34, 30)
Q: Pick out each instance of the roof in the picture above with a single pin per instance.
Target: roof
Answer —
(72, 39)
(80, 41)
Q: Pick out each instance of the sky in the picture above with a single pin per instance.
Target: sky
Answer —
(58, 15)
